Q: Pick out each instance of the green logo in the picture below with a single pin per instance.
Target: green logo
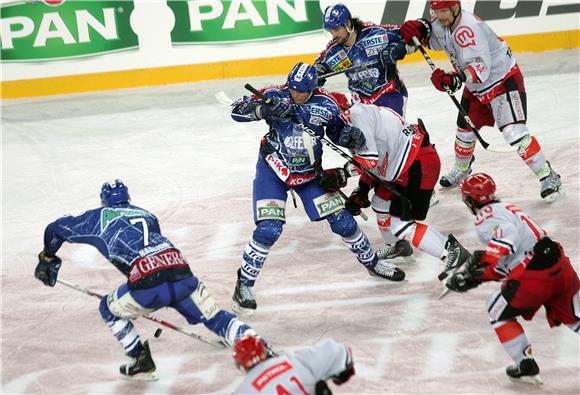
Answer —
(331, 204)
(55, 29)
(270, 213)
(298, 160)
(214, 21)
(109, 214)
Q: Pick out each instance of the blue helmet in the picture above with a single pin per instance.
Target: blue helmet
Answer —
(114, 192)
(303, 78)
(335, 16)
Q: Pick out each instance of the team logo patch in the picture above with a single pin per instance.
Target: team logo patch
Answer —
(328, 203)
(465, 37)
(270, 209)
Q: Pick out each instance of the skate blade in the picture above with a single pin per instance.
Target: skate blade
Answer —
(551, 198)
(146, 376)
(443, 293)
(533, 380)
(434, 199)
(242, 311)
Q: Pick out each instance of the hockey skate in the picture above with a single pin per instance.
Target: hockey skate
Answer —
(400, 252)
(526, 371)
(388, 271)
(455, 176)
(244, 299)
(456, 257)
(551, 185)
(141, 367)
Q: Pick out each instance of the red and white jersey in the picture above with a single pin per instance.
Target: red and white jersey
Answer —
(477, 51)
(297, 373)
(506, 229)
(391, 142)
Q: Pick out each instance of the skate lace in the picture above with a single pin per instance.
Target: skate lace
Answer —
(246, 292)
(455, 175)
(452, 258)
(384, 253)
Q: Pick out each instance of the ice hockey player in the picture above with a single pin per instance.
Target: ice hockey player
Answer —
(355, 42)
(532, 266)
(305, 371)
(290, 159)
(402, 155)
(494, 89)
(157, 274)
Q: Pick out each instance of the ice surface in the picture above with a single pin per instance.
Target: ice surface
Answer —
(187, 161)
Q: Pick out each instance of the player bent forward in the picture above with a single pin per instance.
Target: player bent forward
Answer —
(157, 274)
(533, 268)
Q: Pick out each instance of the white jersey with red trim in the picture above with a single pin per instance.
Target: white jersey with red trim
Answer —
(391, 142)
(477, 51)
(297, 373)
(504, 226)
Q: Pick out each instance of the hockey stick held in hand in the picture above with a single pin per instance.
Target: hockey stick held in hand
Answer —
(462, 111)
(215, 343)
(405, 203)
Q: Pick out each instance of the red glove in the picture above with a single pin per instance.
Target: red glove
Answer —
(441, 79)
(421, 28)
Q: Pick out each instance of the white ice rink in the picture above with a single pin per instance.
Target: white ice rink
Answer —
(184, 159)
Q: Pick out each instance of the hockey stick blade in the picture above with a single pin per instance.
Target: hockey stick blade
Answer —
(216, 343)
(223, 98)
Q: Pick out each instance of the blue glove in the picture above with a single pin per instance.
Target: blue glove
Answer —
(391, 53)
(277, 109)
(47, 269)
(352, 137)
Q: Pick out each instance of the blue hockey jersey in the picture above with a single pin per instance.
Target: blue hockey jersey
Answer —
(369, 84)
(128, 236)
(294, 160)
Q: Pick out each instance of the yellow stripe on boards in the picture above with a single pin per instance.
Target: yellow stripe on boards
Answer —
(233, 69)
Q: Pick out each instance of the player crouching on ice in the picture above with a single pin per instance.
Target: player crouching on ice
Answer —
(158, 274)
(533, 269)
(290, 159)
(305, 371)
(402, 155)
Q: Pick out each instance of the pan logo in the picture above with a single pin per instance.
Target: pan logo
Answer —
(59, 29)
(214, 21)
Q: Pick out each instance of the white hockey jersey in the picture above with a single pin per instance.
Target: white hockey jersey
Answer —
(297, 373)
(504, 226)
(391, 143)
(475, 49)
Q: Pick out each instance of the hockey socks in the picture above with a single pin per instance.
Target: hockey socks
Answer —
(531, 153)
(359, 245)
(252, 262)
(513, 339)
(425, 238)
(464, 147)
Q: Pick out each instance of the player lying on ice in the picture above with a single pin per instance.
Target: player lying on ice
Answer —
(290, 159)
(532, 266)
(494, 90)
(303, 372)
(157, 274)
(401, 154)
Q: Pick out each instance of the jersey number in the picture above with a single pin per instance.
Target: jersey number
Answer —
(142, 221)
(280, 390)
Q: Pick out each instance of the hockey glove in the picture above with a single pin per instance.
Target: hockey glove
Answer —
(278, 109)
(47, 269)
(334, 179)
(352, 137)
(421, 28)
(441, 80)
(470, 277)
(321, 388)
(345, 375)
(358, 199)
(320, 70)
(391, 53)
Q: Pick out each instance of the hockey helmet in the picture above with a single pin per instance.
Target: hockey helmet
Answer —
(443, 4)
(249, 351)
(303, 78)
(114, 192)
(478, 189)
(335, 16)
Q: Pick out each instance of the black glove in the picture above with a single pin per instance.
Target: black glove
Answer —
(47, 269)
(345, 375)
(352, 137)
(321, 388)
(334, 179)
(391, 53)
(358, 199)
(320, 70)
(277, 109)
(468, 278)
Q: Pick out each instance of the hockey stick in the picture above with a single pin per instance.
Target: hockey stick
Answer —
(462, 111)
(353, 68)
(215, 343)
(405, 203)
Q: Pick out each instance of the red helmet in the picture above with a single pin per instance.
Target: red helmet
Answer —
(249, 351)
(442, 4)
(479, 187)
